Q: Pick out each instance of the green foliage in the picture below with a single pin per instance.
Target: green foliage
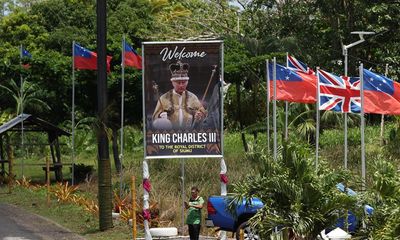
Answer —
(296, 197)
(383, 196)
(394, 137)
(133, 139)
(26, 97)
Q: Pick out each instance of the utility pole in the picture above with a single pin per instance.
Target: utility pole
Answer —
(104, 165)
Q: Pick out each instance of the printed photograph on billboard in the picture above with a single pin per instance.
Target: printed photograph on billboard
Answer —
(182, 99)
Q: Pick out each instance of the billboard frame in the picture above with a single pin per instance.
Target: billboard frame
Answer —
(221, 81)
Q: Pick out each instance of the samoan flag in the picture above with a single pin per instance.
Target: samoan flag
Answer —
(293, 63)
(339, 94)
(293, 86)
(25, 54)
(86, 59)
(132, 59)
(381, 94)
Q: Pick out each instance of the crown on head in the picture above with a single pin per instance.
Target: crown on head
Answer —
(179, 71)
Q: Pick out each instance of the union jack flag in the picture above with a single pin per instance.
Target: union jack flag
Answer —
(339, 94)
(293, 63)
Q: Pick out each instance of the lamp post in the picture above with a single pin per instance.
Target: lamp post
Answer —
(345, 51)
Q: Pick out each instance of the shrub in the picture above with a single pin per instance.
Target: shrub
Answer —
(297, 198)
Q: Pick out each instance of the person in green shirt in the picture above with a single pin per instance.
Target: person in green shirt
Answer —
(193, 219)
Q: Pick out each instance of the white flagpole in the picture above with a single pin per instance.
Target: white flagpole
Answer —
(345, 115)
(345, 140)
(383, 115)
(73, 113)
(268, 96)
(286, 119)
(183, 193)
(122, 113)
(363, 165)
(146, 174)
(22, 108)
(286, 106)
(317, 125)
(274, 120)
(274, 110)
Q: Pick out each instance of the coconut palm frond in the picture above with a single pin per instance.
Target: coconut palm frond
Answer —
(306, 129)
(305, 114)
(256, 127)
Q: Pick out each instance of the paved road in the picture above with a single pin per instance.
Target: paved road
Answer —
(16, 224)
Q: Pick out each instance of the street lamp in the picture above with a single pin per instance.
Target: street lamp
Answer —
(345, 50)
(345, 47)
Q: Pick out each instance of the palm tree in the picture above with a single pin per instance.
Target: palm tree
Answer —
(25, 97)
(298, 200)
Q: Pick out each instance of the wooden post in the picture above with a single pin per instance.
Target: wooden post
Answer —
(54, 156)
(133, 192)
(48, 180)
(10, 156)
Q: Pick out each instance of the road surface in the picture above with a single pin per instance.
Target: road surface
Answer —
(16, 224)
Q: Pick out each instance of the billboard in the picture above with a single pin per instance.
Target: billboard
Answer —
(182, 99)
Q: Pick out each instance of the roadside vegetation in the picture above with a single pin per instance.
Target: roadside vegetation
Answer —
(247, 172)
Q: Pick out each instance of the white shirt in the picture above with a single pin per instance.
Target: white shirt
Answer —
(180, 114)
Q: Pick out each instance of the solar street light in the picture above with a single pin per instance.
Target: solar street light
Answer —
(345, 48)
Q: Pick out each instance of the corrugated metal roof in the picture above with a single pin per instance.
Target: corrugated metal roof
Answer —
(31, 123)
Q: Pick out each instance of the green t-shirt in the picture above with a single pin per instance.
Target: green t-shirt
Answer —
(194, 214)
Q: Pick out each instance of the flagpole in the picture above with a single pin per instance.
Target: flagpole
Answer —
(21, 83)
(183, 193)
(274, 110)
(274, 118)
(267, 80)
(363, 165)
(286, 106)
(122, 113)
(383, 115)
(317, 125)
(286, 119)
(345, 114)
(345, 140)
(73, 113)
